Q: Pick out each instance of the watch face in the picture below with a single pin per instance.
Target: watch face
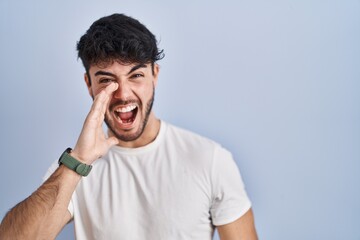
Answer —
(83, 169)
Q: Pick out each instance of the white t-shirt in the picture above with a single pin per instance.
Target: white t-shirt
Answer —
(177, 187)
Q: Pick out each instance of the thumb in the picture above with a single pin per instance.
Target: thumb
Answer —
(112, 141)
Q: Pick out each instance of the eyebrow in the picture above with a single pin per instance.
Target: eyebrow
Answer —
(142, 65)
(104, 73)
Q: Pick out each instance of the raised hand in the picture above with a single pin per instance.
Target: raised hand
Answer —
(92, 142)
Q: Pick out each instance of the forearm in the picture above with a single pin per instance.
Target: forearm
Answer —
(43, 214)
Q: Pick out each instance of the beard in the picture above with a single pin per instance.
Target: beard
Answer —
(132, 137)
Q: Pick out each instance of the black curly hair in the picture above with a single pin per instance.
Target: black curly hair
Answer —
(118, 38)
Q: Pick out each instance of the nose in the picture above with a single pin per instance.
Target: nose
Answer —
(123, 92)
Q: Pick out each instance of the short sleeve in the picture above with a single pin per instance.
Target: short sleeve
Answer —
(229, 198)
(48, 173)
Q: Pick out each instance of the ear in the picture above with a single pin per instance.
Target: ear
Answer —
(88, 84)
(156, 73)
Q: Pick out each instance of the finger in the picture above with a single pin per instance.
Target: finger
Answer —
(104, 95)
(108, 91)
(95, 116)
(111, 88)
(112, 141)
(100, 103)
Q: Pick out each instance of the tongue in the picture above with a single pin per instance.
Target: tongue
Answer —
(126, 116)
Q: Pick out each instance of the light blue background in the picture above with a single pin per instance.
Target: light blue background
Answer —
(276, 82)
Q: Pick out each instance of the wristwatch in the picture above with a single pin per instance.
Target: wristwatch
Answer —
(72, 163)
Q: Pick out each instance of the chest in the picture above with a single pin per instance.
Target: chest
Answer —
(148, 198)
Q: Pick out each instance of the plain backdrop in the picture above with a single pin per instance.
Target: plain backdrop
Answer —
(276, 82)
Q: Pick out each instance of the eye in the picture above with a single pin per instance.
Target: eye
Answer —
(137, 75)
(106, 80)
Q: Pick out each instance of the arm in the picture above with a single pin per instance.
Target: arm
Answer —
(241, 229)
(43, 214)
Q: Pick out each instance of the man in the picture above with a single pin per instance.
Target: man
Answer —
(147, 179)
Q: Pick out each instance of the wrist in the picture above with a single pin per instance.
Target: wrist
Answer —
(81, 157)
(74, 154)
(70, 173)
(71, 162)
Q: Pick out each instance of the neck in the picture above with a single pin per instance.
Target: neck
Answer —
(149, 134)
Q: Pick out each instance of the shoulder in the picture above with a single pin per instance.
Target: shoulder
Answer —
(186, 137)
(193, 142)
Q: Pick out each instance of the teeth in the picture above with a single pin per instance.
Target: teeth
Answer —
(126, 109)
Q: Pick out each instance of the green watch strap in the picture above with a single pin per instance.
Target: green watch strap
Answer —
(73, 164)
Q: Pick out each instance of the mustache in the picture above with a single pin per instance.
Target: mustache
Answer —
(123, 102)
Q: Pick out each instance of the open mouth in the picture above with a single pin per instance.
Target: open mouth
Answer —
(126, 115)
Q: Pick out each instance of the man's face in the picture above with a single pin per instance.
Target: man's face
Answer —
(129, 109)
